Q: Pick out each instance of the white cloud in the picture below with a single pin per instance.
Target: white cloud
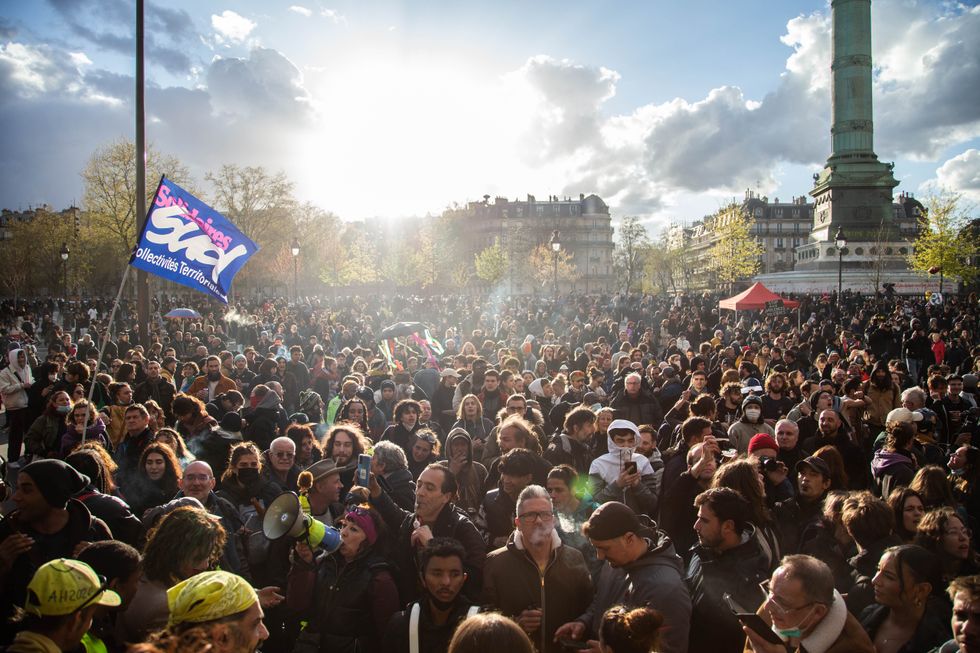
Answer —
(231, 27)
(34, 71)
(301, 10)
(266, 83)
(335, 16)
(960, 173)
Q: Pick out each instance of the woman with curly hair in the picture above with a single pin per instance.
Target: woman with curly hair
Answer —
(354, 411)
(242, 481)
(156, 480)
(186, 542)
(93, 429)
(307, 448)
(192, 417)
(946, 534)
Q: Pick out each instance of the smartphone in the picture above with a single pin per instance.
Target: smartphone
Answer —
(630, 467)
(363, 470)
(573, 644)
(753, 621)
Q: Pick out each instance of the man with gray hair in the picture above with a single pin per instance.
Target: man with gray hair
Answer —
(806, 612)
(280, 463)
(390, 466)
(515, 585)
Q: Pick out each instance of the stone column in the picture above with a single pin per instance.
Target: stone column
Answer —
(852, 128)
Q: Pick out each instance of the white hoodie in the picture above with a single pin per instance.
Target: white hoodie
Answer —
(609, 467)
(12, 380)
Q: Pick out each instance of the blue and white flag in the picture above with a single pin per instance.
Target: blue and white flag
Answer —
(187, 241)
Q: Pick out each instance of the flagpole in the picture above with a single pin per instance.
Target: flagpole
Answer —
(142, 278)
(105, 341)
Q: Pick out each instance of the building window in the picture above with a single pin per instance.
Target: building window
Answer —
(779, 213)
(779, 243)
(574, 209)
(758, 212)
(859, 251)
(520, 211)
(540, 210)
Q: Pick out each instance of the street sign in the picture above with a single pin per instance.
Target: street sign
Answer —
(936, 299)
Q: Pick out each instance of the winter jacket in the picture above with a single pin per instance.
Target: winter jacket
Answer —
(603, 477)
(72, 438)
(161, 391)
(512, 582)
(401, 436)
(932, 630)
(742, 431)
(838, 632)
(564, 450)
(81, 527)
(655, 579)
(679, 514)
(710, 575)
(642, 409)
(451, 522)
(864, 567)
(43, 439)
(224, 384)
(880, 402)
(116, 513)
(891, 470)
(263, 421)
(348, 603)
(471, 479)
(855, 464)
(432, 638)
(12, 382)
(400, 486)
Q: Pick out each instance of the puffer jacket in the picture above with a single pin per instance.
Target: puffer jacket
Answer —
(512, 581)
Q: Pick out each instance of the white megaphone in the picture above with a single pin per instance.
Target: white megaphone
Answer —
(288, 517)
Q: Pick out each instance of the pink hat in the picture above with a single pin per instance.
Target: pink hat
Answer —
(762, 441)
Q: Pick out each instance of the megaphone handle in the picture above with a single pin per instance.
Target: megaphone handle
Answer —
(259, 508)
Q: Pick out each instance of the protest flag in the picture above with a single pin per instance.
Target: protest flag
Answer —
(186, 241)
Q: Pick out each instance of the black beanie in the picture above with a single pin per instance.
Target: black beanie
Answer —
(611, 520)
(56, 480)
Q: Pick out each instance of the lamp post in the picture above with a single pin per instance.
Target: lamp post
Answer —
(294, 248)
(840, 241)
(555, 248)
(64, 264)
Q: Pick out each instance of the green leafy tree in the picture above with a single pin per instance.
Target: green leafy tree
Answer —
(735, 254)
(110, 192)
(632, 243)
(945, 240)
(491, 263)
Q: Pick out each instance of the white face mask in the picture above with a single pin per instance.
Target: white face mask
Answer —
(752, 414)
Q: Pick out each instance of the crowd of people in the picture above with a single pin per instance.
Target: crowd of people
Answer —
(612, 473)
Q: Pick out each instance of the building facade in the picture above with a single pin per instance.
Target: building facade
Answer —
(784, 230)
(584, 228)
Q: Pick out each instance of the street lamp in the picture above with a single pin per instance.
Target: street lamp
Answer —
(840, 241)
(64, 264)
(555, 248)
(294, 248)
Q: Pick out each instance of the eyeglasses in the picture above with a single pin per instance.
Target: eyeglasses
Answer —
(771, 599)
(531, 517)
(284, 454)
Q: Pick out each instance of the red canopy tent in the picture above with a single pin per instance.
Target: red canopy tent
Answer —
(753, 299)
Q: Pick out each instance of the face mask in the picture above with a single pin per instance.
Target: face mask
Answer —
(794, 633)
(64, 410)
(248, 475)
(752, 414)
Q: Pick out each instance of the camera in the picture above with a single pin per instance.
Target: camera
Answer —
(769, 464)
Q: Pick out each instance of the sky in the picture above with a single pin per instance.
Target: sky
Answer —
(379, 108)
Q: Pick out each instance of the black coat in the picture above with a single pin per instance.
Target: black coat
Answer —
(643, 409)
(451, 522)
(400, 486)
(710, 575)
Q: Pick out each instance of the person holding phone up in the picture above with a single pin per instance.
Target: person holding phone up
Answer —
(622, 474)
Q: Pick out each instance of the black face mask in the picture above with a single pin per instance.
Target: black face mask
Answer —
(248, 475)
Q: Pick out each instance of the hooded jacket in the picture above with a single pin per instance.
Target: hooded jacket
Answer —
(604, 479)
(13, 380)
(655, 579)
(471, 479)
(264, 423)
(512, 581)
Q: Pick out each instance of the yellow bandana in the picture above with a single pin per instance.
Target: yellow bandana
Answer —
(209, 596)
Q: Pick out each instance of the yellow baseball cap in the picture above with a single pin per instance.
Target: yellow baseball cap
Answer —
(209, 596)
(63, 586)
